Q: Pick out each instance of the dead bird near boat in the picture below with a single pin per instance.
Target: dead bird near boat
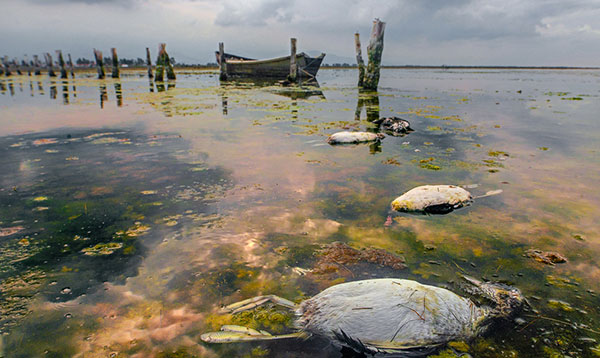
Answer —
(435, 199)
(387, 316)
(354, 137)
(394, 125)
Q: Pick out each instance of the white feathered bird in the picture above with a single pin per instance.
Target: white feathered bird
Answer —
(386, 315)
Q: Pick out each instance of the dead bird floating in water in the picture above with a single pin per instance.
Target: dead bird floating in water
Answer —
(386, 315)
(435, 199)
(354, 137)
(394, 125)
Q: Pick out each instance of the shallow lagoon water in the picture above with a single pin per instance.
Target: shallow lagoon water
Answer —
(130, 212)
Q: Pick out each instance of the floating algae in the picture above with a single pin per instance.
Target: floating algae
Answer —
(102, 249)
(546, 257)
(337, 255)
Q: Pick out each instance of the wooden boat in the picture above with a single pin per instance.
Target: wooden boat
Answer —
(238, 66)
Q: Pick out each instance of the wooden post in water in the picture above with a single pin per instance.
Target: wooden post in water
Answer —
(163, 63)
(359, 60)
(168, 66)
(99, 63)
(293, 65)
(27, 64)
(222, 62)
(6, 65)
(71, 66)
(36, 65)
(61, 63)
(50, 65)
(149, 63)
(160, 66)
(115, 63)
(374, 52)
(16, 62)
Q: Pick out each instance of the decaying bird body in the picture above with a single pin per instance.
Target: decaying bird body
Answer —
(437, 199)
(354, 137)
(394, 125)
(383, 315)
(390, 315)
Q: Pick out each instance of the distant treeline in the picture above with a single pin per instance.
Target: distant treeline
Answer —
(138, 62)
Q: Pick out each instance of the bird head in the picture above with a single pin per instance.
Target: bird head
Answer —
(507, 299)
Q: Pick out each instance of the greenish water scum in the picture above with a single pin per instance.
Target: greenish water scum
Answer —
(130, 212)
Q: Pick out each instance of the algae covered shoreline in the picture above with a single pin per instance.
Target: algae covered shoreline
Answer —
(126, 226)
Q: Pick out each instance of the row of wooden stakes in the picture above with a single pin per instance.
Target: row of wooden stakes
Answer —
(163, 64)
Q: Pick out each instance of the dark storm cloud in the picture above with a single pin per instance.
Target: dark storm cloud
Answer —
(511, 32)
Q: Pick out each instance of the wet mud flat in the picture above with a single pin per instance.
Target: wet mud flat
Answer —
(129, 214)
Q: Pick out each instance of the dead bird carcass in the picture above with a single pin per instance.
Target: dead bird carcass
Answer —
(436, 199)
(394, 125)
(386, 315)
(354, 137)
(433, 199)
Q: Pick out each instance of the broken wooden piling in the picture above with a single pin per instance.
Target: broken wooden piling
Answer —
(222, 62)
(115, 63)
(163, 64)
(149, 63)
(27, 64)
(293, 65)
(50, 65)
(370, 78)
(6, 66)
(17, 67)
(61, 63)
(359, 59)
(71, 66)
(374, 52)
(99, 63)
(36, 65)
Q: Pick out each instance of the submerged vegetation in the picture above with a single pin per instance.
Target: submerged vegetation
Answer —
(124, 238)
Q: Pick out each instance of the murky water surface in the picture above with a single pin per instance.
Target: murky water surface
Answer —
(129, 212)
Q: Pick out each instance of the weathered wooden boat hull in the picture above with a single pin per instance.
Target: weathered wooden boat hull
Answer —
(238, 66)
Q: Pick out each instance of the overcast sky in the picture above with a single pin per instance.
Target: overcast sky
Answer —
(427, 32)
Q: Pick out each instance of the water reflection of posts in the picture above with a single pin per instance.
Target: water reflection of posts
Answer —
(294, 109)
(52, 89)
(224, 99)
(65, 92)
(40, 87)
(31, 88)
(370, 101)
(119, 94)
(151, 85)
(2, 87)
(103, 95)
(11, 88)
